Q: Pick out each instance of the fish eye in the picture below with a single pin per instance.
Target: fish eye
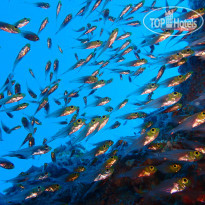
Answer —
(98, 41)
(103, 116)
(15, 27)
(71, 106)
(112, 157)
(151, 168)
(102, 81)
(93, 120)
(201, 9)
(153, 130)
(180, 76)
(79, 120)
(178, 54)
(106, 98)
(39, 187)
(153, 84)
(46, 173)
(104, 145)
(203, 113)
(188, 49)
(107, 170)
(175, 93)
(158, 144)
(196, 153)
(185, 180)
(175, 166)
(46, 146)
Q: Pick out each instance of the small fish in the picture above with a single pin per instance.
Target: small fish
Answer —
(135, 115)
(58, 8)
(146, 89)
(21, 54)
(103, 121)
(115, 125)
(165, 100)
(139, 172)
(60, 49)
(137, 7)
(81, 11)
(70, 129)
(49, 42)
(123, 12)
(125, 35)
(31, 141)
(143, 140)
(109, 109)
(100, 149)
(102, 101)
(31, 93)
(90, 128)
(181, 155)
(63, 111)
(194, 14)
(9, 28)
(42, 5)
(176, 80)
(110, 162)
(169, 168)
(56, 66)
(53, 156)
(173, 108)
(72, 177)
(99, 84)
(43, 24)
(31, 72)
(28, 137)
(132, 23)
(30, 36)
(42, 104)
(104, 174)
(23, 22)
(6, 164)
(158, 38)
(169, 187)
(96, 5)
(85, 100)
(48, 67)
(16, 108)
(135, 63)
(122, 104)
(12, 99)
(53, 188)
(67, 19)
(29, 152)
(191, 122)
(17, 88)
(139, 71)
(156, 146)
(160, 73)
(110, 40)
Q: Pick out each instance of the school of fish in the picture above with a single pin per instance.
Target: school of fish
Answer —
(161, 162)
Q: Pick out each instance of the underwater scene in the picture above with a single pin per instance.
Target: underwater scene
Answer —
(102, 102)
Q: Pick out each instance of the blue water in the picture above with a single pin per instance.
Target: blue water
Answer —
(12, 11)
